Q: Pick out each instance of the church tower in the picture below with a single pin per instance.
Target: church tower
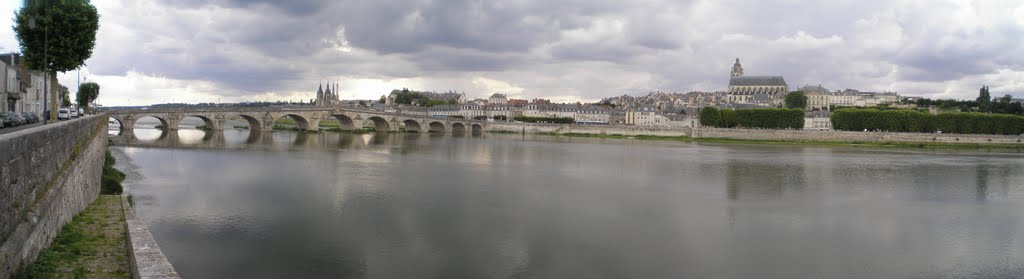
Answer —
(737, 70)
(319, 95)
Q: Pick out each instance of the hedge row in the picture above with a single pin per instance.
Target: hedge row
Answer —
(769, 118)
(922, 122)
(543, 119)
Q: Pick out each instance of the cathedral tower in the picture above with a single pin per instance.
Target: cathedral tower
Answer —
(737, 70)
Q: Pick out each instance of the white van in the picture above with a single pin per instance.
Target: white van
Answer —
(63, 113)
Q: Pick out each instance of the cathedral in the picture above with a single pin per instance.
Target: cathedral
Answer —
(327, 98)
(768, 91)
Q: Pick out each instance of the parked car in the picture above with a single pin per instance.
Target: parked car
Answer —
(31, 117)
(11, 119)
(63, 114)
(21, 120)
(74, 113)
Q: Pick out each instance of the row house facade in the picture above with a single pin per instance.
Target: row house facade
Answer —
(22, 89)
(820, 98)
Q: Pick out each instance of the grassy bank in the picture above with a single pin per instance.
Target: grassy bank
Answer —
(93, 245)
(110, 181)
(944, 145)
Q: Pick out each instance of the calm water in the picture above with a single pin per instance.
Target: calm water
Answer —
(507, 206)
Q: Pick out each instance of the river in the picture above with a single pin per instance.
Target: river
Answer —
(335, 205)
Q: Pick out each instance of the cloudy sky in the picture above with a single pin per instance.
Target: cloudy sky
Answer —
(154, 51)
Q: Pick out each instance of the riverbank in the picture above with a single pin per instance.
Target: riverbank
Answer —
(93, 245)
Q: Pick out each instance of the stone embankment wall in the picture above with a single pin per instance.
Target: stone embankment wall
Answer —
(588, 129)
(753, 134)
(48, 174)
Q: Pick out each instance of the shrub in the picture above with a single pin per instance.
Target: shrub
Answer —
(110, 181)
(922, 122)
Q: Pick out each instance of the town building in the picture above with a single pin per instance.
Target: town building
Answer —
(23, 89)
(592, 115)
(645, 116)
(497, 99)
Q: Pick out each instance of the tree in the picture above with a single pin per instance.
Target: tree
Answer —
(87, 92)
(710, 117)
(796, 99)
(56, 36)
(984, 100)
(65, 100)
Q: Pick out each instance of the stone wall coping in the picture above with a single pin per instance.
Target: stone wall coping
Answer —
(146, 258)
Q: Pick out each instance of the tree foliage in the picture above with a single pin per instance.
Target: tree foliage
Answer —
(62, 36)
(772, 118)
(923, 122)
(796, 100)
(409, 97)
(710, 117)
(729, 119)
(984, 99)
(87, 92)
(984, 103)
(769, 118)
(65, 100)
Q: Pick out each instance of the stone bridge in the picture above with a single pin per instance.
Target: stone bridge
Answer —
(307, 118)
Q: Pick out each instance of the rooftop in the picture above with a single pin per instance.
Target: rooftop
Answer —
(757, 81)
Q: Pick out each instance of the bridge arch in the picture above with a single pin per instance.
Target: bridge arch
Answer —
(253, 121)
(345, 123)
(477, 129)
(437, 127)
(300, 121)
(412, 126)
(206, 120)
(163, 120)
(379, 124)
(458, 128)
(117, 121)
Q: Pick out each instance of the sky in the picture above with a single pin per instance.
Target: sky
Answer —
(157, 51)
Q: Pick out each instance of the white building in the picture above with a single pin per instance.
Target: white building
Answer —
(592, 115)
(497, 99)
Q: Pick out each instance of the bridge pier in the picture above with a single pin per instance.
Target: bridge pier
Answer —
(127, 125)
(314, 124)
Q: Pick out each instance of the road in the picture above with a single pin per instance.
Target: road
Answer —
(6, 130)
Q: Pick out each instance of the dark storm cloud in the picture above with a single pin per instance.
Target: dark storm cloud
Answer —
(263, 45)
(494, 26)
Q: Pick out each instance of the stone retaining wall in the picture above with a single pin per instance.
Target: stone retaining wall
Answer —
(753, 134)
(48, 174)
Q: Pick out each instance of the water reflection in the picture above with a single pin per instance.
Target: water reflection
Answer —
(276, 140)
(334, 205)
